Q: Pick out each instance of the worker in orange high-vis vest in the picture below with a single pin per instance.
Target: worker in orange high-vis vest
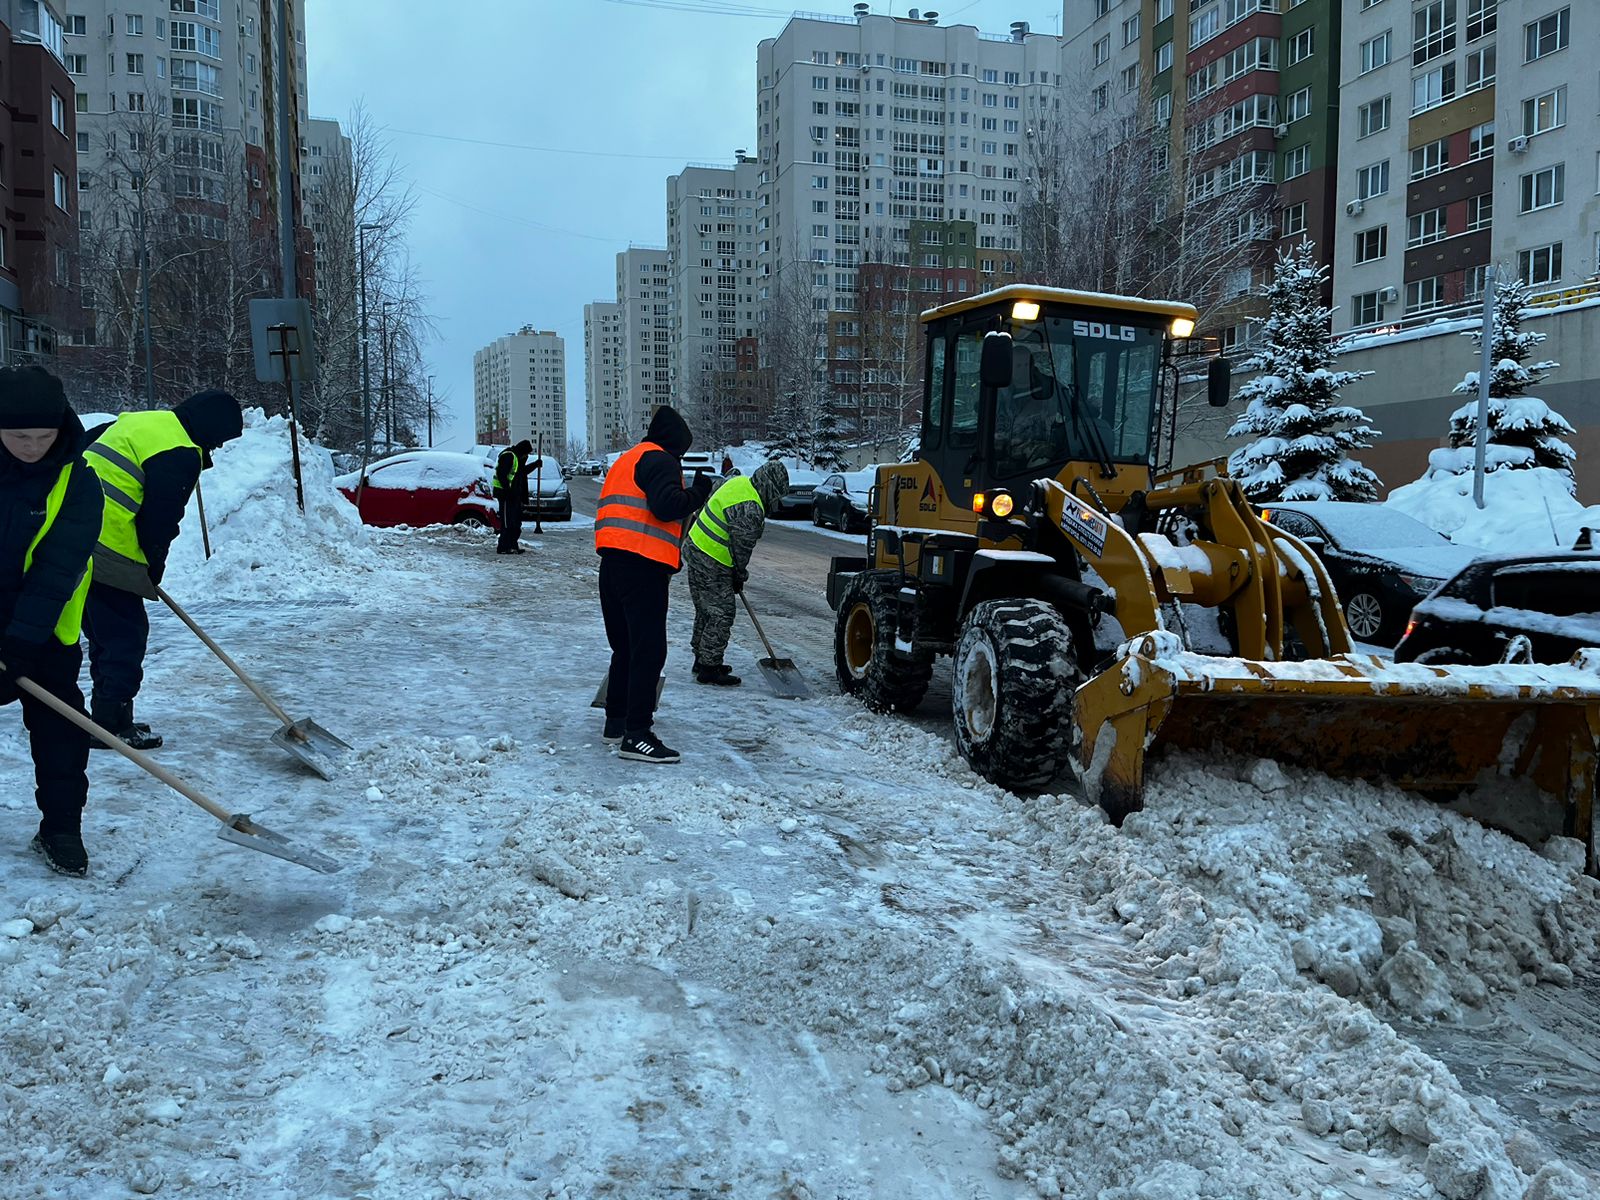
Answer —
(638, 533)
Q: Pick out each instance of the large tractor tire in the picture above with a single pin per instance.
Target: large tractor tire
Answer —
(864, 655)
(1015, 673)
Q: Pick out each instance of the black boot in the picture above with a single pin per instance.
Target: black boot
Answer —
(63, 850)
(116, 716)
(716, 675)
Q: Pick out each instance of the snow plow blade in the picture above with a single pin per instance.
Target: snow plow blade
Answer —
(1434, 730)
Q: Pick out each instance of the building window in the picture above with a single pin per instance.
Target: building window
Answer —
(1477, 279)
(1424, 228)
(78, 26)
(1098, 100)
(1543, 113)
(1298, 105)
(1480, 143)
(1544, 189)
(1480, 212)
(1546, 35)
(1373, 117)
(1204, 26)
(80, 102)
(1423, 295)
(1372, 244)
(1102, 50)
(1164, 57)
(58, 112)
(1540, 265)
(1296, 162)
(135, 64)
(1375, 53)
(1372, 181)
(1130, 80)
(1433, 31)
(1430, 159)
(1294, 219)
(135, 25)
(60, 182)
(77, 64)
(83, 142)
(1163, 9)
(1300, 46)
(1130, 30)
(1367, 308)
(1483, 17)
(1433, 88)
(1480, 68)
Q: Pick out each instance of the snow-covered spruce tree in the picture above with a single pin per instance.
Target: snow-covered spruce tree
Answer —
(1524, 431)
(1302, 435)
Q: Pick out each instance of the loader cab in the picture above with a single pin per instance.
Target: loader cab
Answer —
(1026, 382)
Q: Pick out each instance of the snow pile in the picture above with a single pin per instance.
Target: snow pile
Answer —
(262, 546)
(1529, 510)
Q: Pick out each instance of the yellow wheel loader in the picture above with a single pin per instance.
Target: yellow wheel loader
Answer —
(1096, 613)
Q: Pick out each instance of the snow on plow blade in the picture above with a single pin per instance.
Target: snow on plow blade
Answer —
(1434, 730)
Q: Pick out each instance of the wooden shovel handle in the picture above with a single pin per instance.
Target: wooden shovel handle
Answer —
(272, 705)
(760, 633)
(121, 747)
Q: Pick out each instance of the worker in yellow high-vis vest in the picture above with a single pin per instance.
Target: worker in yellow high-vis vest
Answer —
(149, 464)
(717, 556)
(50, 514)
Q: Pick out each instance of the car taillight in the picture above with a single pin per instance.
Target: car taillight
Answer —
(1410, 625)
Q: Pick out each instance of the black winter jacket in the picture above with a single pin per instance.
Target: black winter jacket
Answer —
(210, 419)
(660, 475)
(31, 602)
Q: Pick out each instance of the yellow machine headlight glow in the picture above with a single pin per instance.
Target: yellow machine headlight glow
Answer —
(1002, 505)
(1024, 310)
(1182, 327)
(978, 502)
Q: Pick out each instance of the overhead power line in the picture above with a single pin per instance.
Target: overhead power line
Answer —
(450, 137)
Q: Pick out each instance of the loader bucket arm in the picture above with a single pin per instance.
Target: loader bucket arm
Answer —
(1433, 730)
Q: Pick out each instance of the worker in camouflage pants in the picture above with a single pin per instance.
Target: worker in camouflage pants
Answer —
(717, 554)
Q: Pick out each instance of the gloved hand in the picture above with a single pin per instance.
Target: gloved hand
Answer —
(739, 578)
(21, 657)
(701, 487)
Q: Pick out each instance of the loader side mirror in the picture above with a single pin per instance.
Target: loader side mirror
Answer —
(994, 369)
(1219, 382)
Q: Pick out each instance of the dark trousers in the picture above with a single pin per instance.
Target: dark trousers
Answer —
(118, 630)
(510, 522)
(60, 748)
(633, 601)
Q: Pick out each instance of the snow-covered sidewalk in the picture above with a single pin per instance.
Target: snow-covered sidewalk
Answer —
(818, 959)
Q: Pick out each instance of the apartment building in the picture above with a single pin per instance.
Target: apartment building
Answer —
(184, 91)
(873, 127)
(645, 372)
(38, 229)
(326, 191)
(1471, 131)
(607, 428)
(1246, 92)
(711, 291)
(519, 390)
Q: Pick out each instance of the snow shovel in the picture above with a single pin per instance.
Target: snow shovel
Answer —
(237, 828)
(305, 739)
(599, 700)
(782, 676)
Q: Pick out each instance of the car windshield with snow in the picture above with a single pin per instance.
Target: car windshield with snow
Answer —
(1381, 561)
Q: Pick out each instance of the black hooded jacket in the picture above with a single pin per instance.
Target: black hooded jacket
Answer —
(210, 418)
(660, 475)
(514, 485)
(31, 601)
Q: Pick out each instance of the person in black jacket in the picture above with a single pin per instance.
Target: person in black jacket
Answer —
(48, 531)
(511, 489)
(168, 457)
(639, 552)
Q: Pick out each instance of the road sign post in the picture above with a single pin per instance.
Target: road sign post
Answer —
(281, 334)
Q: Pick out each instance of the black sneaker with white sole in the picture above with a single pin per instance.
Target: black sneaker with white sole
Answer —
(647, 747)
(613, 732)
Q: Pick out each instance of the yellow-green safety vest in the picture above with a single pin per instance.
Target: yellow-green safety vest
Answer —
(118, 457)
(710, 528)
(516, 465)
(70, 623)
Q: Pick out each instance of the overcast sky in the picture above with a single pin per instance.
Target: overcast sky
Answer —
(539, 135)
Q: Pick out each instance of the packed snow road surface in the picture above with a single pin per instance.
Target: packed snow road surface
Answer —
(819, 959)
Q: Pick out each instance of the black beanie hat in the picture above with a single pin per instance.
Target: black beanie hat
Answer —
(31, 398)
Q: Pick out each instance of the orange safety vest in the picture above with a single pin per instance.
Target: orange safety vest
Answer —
(624, 520)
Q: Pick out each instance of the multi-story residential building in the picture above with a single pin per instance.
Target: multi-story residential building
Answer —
(1471, 133)
(873, 128)
(327, 189)
(185, 92)
(602, 385)
(645, 372)
(519, 390)
(1247, 93)
(39, 231)
(711, 294)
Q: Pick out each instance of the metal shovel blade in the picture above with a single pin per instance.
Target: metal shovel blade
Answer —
(313, 745)
(599, 700)
(242, 831)
(783, 677)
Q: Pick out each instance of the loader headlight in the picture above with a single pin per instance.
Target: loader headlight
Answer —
(1182, 327)
(1002, 504)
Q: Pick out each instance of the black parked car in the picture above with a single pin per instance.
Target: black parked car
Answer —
(1381, 561)
(841, 500)
(1531, 608)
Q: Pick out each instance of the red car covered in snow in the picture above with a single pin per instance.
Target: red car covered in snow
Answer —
(425, 487)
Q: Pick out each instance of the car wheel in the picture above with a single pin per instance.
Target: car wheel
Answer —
(1363, 612)
(816, 518)
(474, 520)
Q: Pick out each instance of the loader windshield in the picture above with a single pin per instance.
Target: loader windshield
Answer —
(1080, 391)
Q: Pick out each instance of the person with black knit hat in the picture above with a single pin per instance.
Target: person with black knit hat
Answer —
(511, 490)
(149, 464)
(51, 508)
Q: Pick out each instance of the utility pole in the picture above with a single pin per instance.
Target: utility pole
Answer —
(144, 300)
(366, 378)
(1484, 371)
(387, 393)
(430, 412)
(287, 160)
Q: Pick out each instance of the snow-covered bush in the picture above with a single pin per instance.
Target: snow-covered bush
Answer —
(1303, 435)
(1525, 433)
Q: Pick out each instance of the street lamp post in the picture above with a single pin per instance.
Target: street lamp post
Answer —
(388, 384)
(430, 412)
(366, 378)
